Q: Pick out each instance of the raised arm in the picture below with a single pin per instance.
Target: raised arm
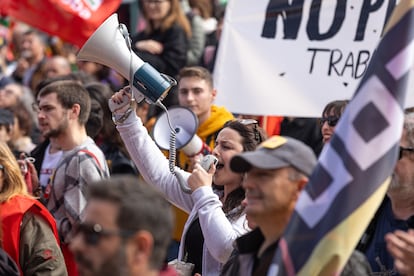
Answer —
(150, 161)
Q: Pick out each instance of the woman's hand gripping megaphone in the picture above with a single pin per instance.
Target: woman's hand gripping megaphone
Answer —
(121, 105)
(120, 101)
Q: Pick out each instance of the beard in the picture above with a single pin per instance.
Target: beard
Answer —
(57, 131)
(394, 183)
(115, 264)
(402, 185)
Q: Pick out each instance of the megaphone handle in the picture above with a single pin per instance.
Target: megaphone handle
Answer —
(182, 183)
(170, 79)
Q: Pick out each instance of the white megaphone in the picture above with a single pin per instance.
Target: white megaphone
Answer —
(185, 124)
(110, 45)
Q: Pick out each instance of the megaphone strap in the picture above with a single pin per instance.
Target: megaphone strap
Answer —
(120, 118)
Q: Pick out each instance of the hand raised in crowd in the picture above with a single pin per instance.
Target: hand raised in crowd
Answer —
(36, 188)
(21, 66)
(29, 173)
(151, 46)
(400, 244)
(199, 177)
(117, 102)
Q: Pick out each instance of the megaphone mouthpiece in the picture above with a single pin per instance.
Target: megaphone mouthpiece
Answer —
(185, 124)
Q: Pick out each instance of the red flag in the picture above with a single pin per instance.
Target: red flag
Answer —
(72, 21)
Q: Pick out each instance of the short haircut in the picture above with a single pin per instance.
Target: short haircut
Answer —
(68, 93)
(37, 33)
(196, 71)
(141, 207)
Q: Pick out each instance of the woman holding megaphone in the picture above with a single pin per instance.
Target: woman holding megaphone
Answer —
(216, 215)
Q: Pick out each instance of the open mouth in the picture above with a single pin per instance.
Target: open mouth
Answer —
(219, 166)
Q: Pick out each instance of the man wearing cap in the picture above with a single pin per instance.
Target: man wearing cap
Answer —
(274, 175)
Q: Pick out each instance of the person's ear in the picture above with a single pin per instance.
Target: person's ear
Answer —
(143, 244)
(214, 94)
(302, 183)
(75, 111)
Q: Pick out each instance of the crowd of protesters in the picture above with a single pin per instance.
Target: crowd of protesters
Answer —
(70, 171)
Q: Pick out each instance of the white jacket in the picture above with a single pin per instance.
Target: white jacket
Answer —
(219, 233)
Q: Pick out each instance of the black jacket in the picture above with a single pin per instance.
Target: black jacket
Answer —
(7, 265)
(174, 55)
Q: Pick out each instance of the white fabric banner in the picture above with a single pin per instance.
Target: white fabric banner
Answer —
(281, 58)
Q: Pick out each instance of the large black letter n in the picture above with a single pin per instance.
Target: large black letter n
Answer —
(291, 15)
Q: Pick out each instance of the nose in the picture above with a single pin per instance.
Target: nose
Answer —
(215, 152)
(189, 96)
(325, 126)
(246, 182)
(40, 115)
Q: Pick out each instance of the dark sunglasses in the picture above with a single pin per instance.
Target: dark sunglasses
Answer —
(332, 120)
(93, 233)
(400, 155)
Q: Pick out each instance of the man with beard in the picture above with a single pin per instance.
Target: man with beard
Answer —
(63, 109)
(126, 230)
(397, 210)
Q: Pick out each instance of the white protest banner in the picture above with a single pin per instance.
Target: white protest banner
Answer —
(281, 57)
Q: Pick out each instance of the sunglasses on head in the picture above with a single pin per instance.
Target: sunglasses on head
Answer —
(93, 233)
(332, 120)
(248, 122)
(402, 149)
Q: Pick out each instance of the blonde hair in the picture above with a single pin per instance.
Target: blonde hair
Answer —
(13, 182)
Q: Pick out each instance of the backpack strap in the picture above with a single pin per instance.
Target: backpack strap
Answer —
(48, 189)
(91, 154)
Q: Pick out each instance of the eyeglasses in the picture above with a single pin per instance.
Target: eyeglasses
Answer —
(93, 233)
(402, 149)
(1, 167)
(248, 122)
(332, 120)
